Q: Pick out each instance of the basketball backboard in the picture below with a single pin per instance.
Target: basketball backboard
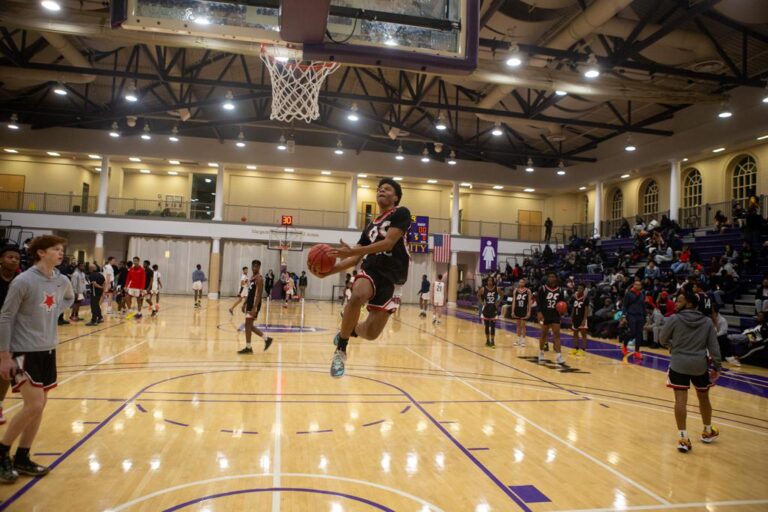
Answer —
(435, 36)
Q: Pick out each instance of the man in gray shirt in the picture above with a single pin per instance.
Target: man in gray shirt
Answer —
(690, 336)
(28, 340)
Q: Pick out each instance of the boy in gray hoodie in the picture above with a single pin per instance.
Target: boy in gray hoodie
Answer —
(28, 340)
(690, 335)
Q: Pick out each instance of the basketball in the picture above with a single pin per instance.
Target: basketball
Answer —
(318, 259)
(243, 219)
(562, 307)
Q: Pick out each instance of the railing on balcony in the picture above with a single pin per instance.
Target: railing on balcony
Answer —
(160, 208)
(301, 217)
(44, 202)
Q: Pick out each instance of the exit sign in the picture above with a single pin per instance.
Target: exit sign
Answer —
(286, 220)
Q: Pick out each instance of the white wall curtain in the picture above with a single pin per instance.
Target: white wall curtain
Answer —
(176, 259)
(420, 264)
(237, 255)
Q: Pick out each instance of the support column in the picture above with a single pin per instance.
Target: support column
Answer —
(453, 279)
(352, 224)
(455, 228)
(101, 205)
(218, 204)
(214, 269)
(674, 189)
(98, 247)
(598, 208)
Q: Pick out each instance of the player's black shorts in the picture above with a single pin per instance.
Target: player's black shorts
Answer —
(489, 312)
(520, 313)
(383, 298)
(551, 318)
(676, 380)
(249, 306)
(37, 368)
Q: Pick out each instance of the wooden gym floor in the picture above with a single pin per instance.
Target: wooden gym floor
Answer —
(162, 414)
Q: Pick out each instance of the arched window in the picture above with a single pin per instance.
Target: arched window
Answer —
(651, 198)
(692, 189)
(617, 205)
(744, 179)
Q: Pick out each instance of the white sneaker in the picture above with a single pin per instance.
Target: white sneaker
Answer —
(733, 361)
(541, 356)
(560, 359)
(522, 342)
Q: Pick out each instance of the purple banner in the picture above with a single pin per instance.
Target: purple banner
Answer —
(489, 253)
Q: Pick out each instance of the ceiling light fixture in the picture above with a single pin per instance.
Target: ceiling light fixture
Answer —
(212, 164)
(208, 180)
(765, 98)
(13, 124)
(94, 156)
(174, 137)
(399, 155)
(440, 123)
(281, 145)
(529, 165)
(146, 135)
(352, 116)
(514, 57)
(624, 176)
(130, 92)
(59, 89)
(131, 158)
(10, 150)
(431, 182)
(582, 188)
(325, 173)
(466, 185)
(114, 132)
(425, 156)
(725, 111)
(362, 175)
(145, 171)
(497, 132)
(452, 158)
(251, 167)
(685, 159)
(398, 178)
(174, 162)
(53, 153)
(718, 150)
(762, 137)
(240, 140)
(173, 173)
(592, 70)
(391, 42)
(561, 168)
(560, 92)
(339, 148)
(529, 190)
(51, 5)
(289, 169)
(228, 101)
(498, 187)
(629, 146)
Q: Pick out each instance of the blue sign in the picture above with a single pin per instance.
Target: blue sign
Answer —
(489, 253)
(418, 234)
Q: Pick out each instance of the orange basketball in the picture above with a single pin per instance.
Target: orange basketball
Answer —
(318, 259)
(562, 307)
(243, 219)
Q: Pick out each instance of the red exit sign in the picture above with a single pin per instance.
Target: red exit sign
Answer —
(286, 220)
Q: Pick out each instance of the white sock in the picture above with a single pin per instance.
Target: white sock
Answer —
(707, 428)
(683, 434)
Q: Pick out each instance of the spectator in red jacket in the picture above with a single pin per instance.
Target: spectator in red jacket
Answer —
(666, 305)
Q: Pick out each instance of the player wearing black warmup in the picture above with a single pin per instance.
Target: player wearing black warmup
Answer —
(548, 297)
(490, 297)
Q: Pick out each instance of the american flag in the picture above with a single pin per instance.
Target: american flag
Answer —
(441, 248)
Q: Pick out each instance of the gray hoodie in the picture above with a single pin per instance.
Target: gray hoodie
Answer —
(28, 321)
(690, 334)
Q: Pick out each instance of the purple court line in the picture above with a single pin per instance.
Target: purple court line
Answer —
(227, 431)
(315, 431)
(654, 361)
(180, 424)
(477, 449)
(374, 423)
(377, 506)
(406, 409)
(139, 407)
(502, 363)
(48, 454)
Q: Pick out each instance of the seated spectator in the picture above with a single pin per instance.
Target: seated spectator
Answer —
(721, 221)
(747, 257)
(653, 322)
(761, 296)
(725, 291)
(728, 268)
(725, 344)
(665, 304)
(652, 226)
(639, 226)
(663, 255)
(683, 261)
(730, 254)
(624, 231)
(754, 339)
(652, 271)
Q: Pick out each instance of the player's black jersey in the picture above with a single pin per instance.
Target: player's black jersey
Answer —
(252, 286)
(548, 299)
(393, 265)
(579, 309)
(489, 298)
(705, 304)
(520, 302)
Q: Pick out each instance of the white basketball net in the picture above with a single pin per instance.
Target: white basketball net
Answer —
(296, 87)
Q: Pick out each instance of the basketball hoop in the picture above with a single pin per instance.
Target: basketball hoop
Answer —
(295, 83)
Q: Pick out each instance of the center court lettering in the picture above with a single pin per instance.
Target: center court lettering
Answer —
(553, 366)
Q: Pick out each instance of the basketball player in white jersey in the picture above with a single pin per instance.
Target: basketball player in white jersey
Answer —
(438, 299)
(154, 291)
(243, 291)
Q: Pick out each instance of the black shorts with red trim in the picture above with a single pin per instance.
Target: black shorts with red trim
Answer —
(551, 317)
(383, 298)
(676, 380)
(37, 368)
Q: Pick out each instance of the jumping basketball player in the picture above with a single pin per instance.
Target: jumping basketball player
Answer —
(438, 299)
(385, 267)
(522, 300)
(243, 293)
(549, 318)
(579, 315)
(252, 308)
(490, 298)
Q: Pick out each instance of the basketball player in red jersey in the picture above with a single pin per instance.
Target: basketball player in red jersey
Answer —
(384, 268)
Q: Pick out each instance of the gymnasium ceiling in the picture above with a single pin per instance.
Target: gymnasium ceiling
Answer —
(657, 58)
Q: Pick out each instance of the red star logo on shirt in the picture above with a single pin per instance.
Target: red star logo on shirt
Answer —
(49, 302)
